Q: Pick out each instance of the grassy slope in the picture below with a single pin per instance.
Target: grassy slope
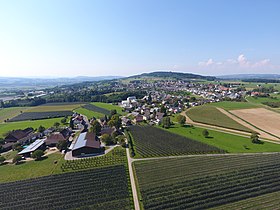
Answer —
(89, 113)
(9, 113)
(211, 115)
(31, 169)
(109, 107)
(5, 127)
(228, 142)
(230, 105)
(260, 100)
(53, 108)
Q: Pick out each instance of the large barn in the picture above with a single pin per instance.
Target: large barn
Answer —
(38, 144)
(86, 144)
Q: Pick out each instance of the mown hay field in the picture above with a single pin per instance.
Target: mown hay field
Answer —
(55, 107)
(212, 116)
(8, 113)
(262, 118)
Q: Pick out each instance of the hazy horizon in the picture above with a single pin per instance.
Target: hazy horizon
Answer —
(122, 38)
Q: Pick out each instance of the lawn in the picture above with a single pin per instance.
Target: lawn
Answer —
(109, 107)
(31, 169)
(8, 113)
(228, 142)
(10, 155)
(212, 116)
(5, 127)
(55, 107)
(88, 113)
(231, 105)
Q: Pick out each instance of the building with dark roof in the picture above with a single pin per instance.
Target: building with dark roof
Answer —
(54, 138)
(18, 135)
(87, 143)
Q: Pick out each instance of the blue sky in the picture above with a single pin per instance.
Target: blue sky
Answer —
(126, 37)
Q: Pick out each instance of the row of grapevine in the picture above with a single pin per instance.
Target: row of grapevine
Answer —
(154, 142)
(88, 189)
(207, 182)
(116, 156)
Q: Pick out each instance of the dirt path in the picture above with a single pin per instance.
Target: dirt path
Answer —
(262, 133)
(226, 130)
(132, 180)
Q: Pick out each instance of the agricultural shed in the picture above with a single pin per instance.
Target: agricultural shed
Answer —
(38, 144)
(87, 143)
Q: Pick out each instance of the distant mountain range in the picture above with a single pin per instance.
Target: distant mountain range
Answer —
(39, 83)
(251, 76)
(13, 82)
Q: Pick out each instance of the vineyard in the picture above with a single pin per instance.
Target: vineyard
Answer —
(115, 157)
(153, 142)
(103, 188)
(40, 115)
(210, 182)
(94, 108)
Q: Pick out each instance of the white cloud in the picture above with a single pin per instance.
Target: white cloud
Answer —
(206, 63)
(241, 62)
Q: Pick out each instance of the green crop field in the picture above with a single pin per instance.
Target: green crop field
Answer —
(5, 127)
(227, 142)
(231, 105)
(55, 107)
(109, 107)
(153, 142)
(88, 113)
(8, 113)
(206, 181)
(212, 116)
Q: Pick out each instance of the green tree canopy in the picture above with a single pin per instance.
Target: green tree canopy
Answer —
(166, 122)
(205, 133)
(38, 154)
(181, 119)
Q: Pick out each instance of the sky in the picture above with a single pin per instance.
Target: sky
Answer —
(126, 37)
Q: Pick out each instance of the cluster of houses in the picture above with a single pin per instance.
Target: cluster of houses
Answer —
(31, 141)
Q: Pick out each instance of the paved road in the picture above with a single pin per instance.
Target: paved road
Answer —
(132, 180)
